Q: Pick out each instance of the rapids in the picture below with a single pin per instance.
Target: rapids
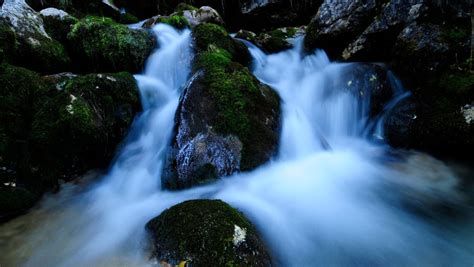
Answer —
(333, 196)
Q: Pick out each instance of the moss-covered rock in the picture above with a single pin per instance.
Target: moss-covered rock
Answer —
(22, 93)
(101, 45)
(176, 21)
(36, 49)
(208, 36)
(57, 23)
(279, 39)
(227, 118)
(90, 115)
(206, 233)
(55, 128)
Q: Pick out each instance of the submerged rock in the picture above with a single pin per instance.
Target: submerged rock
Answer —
(36, 49)
(101, 45)
(206, 233)
(227, 120)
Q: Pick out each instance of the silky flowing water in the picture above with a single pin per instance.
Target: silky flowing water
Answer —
(335, 195)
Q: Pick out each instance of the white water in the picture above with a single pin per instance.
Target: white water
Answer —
(342, 206)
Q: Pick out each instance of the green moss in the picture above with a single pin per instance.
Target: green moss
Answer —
(455, 35)
(127, 18)
(183, 6)
(208, 36)
(21, 95)
(100, 44)
(276, 40)
(176, 21)
(88, 117)
(202, 231)
(239, 99)
(460, 83)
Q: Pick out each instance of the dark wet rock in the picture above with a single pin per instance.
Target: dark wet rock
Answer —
(206, 233)
(15, 201)
(101, 45)
(338, 23)
(227, 120)
(421, 49)
(373, 84)
(36, 49)
(435, 125)
(399, 124)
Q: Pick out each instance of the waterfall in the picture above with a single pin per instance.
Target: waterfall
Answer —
(331, 197)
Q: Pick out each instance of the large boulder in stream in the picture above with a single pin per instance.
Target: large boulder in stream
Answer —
(60, 126)
(206, 233)
(337, 23)
(99, 44)
(36, 49)
(227, 120)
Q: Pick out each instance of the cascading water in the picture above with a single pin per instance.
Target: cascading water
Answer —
(330, 198)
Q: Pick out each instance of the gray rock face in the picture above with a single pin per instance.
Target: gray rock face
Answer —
(421, 48)
(381, 33)
(205, 14)
(26, 22)
(338, 22)
(37, 50)
(198, 154)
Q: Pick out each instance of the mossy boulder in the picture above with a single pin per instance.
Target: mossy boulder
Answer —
(279, 39)
(36, 49)
(208, 36)
(227, 120)
(177, 21)
(90, 115)
(57, 23)
(59, 127)
(206, 233)
(22, 93)
(99, 44)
